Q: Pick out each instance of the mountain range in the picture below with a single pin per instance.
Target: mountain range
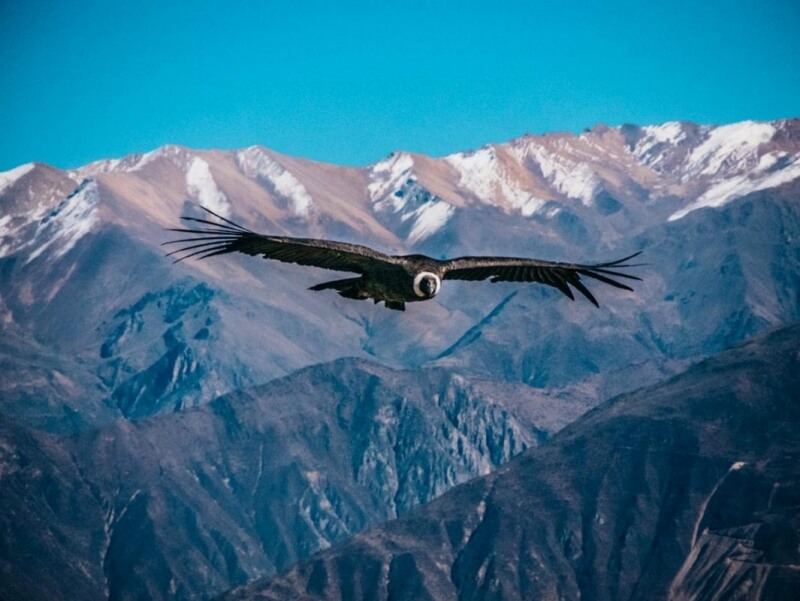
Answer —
(689, 489)
(172, 430)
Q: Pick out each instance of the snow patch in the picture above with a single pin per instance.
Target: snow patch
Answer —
(201, 185)
(131, 163)
(733, 146)
(666, 133)
(7, 178)
(13, 237)
(762, 178)
(572, 180)
(4, 229)
(769, 160)
(145, 159)
(568, 177)
(429, 219)
(388, 176)
(656, 137)
(478, 172)
(72, 219)
(395, 190)
(481, 509)
(482, 174)
(177, 155)
(551, 211)
(96, 168)
(130, 501)
(255, 163)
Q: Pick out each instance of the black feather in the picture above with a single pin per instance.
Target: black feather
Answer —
(381, 271)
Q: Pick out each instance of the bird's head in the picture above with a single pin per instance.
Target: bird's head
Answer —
(427, 284)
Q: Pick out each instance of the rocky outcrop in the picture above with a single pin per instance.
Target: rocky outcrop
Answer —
(186, 504)
(686, 490)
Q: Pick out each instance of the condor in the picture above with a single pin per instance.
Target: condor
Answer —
(393, 279)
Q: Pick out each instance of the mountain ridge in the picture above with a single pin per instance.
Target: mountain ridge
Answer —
(637, 499)
(183, 503)
(104, 339)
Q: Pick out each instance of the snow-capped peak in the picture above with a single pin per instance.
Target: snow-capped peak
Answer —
(565, 173)
(671, 132)
(657, 139)
(178, 155)
(72, 219)
(478, 172)
(145, 159)
(389, 175)
(482, 174)
(731, 146)
(396, 194)
(7, 178)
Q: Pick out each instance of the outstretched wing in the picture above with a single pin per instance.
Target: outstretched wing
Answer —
(558, 275)
(217, 238)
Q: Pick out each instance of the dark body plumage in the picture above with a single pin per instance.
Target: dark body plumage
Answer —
(393, 279)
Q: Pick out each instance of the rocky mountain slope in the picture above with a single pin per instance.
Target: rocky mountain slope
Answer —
(185, 504)
(685, 490)
(125, 473)
(84, 278)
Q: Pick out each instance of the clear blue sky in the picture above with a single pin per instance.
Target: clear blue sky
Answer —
(348, 82)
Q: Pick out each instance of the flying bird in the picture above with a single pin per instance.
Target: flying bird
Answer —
(393, 279)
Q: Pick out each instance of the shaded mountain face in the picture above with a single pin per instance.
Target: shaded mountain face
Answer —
(83, 279)
(685, 490)
(190, 503)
